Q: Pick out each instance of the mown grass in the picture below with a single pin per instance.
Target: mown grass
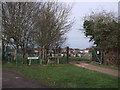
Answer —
(66, 76)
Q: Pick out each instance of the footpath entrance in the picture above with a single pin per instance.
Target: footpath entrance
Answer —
(96, 68)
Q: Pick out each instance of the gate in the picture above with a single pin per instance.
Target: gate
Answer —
(97, 55)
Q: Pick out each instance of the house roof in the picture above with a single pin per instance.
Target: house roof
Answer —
(87, 48)
(70, 49)
(77, 49)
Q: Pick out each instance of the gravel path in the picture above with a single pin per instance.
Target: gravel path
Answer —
(96, 68)
(12, 79)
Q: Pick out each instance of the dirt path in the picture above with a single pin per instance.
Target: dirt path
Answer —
(96, 68)
(11, 79)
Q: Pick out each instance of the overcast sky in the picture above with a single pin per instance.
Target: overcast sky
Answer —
(76, 37)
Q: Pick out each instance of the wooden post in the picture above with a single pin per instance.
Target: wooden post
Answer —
(40, 61)
(57, 60)
(48, 61)
(67, 54)
(29, 62)
(101, 57)
(43, 53)
(16, 55)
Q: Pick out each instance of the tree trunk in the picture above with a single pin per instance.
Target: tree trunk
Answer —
(46, 55)
(40, 56)
(3, 51)
(16, 54)
(43, 53)
(103, 54)
(23, 57)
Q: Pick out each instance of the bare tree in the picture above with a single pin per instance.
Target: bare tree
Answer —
(52, 24)
(43, 24)
(17, 24)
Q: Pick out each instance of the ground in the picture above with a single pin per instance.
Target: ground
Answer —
(57, 76)
(12, 79)
(96, 68)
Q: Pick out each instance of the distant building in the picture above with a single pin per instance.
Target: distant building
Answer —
(87, 50)
(73, 52)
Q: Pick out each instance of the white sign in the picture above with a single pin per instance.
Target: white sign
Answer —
(33, 58)
(98, 52)
(36, 51)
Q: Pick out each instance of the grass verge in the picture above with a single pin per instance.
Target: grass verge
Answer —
(66, 76)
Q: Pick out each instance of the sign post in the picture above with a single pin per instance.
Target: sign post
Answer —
(57, 60)
(40, 61)
(30, 59)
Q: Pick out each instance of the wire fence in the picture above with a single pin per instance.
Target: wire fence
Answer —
(54, 59)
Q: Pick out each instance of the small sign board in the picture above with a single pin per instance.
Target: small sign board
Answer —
(33, 58)
(98, 52)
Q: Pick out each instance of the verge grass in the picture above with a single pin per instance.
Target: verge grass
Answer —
(66, 76)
